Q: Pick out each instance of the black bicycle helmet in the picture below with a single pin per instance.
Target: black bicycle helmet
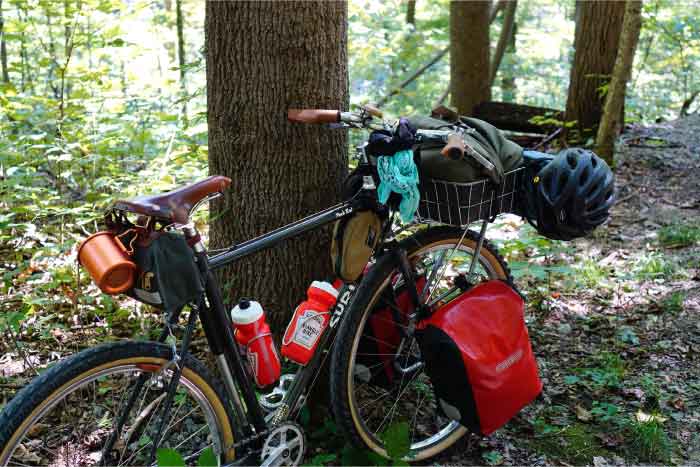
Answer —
(571, 195)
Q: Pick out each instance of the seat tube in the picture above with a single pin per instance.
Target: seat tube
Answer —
(216, 333)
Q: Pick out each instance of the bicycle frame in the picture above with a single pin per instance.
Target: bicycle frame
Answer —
(217, 325)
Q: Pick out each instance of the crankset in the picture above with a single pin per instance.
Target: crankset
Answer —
(284, 446)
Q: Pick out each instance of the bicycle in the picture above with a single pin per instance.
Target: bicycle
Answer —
(116, 403)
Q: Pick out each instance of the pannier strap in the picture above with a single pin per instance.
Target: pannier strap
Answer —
(175, 206)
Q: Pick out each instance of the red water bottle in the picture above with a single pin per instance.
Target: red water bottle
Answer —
(253, 334)
(308, 323)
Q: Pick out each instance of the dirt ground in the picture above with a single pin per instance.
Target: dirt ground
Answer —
(619, 352)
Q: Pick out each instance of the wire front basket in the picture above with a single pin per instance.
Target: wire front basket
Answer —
(460, 204)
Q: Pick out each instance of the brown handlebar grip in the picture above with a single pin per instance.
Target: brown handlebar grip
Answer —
(313, 116)
(454, 149)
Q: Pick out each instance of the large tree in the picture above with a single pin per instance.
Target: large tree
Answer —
(615, 100)
(469, 54)
(598, 26)
(262, 59)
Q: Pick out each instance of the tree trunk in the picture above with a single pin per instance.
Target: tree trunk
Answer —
(411, 12)
(508, 85)
(3, 49)
(262, 59)
(597, 36)
(615, 100)
(503, 40)
(179, 21)
(469, 54)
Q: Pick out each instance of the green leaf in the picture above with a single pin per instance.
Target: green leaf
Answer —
(321, 459)
(166, 457)
(396, 441)
(493, 457)
(350, 455)
(207, 458)
(571, 379)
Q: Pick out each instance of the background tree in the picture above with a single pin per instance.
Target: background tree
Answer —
(411, 12)
(469, 54)
(615, 99)
(263, 58)
(598, 26)
(505, 40)
(3, 49)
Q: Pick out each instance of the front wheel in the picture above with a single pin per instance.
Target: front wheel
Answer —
(66, 415)
(377, 378)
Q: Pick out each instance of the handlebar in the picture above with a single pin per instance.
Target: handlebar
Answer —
(454, 142)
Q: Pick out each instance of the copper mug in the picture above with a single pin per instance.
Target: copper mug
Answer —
(107, 262)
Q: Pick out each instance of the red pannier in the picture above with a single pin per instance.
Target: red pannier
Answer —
(477, 353)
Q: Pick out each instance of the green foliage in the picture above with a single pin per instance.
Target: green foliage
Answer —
(575, 444)
(654, 266)
(397, 442)
(606, 371)
(207, 458)
(647, 440)
(166, 457)
(679, 235)
(673, 303)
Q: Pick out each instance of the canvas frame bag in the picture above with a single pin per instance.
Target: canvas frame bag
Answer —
(354, 240)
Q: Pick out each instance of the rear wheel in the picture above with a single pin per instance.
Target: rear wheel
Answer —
(366, 401)
(66, 415)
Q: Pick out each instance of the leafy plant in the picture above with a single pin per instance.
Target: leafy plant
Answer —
(673, 303)
(166, 457)
(647, 441)
(679, 235)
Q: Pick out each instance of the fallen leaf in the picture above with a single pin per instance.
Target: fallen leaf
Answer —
(678, 403)
(583, 414)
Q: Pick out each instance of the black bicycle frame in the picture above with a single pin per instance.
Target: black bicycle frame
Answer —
(219, 332)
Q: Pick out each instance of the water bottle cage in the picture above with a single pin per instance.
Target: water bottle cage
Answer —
(259, 336)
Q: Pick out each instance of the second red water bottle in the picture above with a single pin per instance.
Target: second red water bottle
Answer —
(308, 323)
(253, 334)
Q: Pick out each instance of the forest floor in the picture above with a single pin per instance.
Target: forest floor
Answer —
(619, 350)
(617, 335)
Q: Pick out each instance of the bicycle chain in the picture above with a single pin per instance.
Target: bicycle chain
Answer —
(249, 440)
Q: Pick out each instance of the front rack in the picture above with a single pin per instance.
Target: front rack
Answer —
(460, 204)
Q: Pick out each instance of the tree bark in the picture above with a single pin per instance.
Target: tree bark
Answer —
(411, 12)
(262, 59)
(469, 54)
(179, 22)
(3, 49)
(508, 85)
(615, 100)
(596, 41)
(503, 39)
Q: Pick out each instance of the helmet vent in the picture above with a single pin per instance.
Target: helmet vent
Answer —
(584, 177)
(572, 160)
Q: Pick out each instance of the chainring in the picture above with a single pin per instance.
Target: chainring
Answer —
(284, 446)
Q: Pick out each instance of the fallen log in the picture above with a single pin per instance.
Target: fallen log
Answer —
(517, 117)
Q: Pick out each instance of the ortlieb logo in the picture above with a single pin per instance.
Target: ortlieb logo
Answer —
(508, 362)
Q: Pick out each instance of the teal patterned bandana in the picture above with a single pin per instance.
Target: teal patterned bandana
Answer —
(398, 173)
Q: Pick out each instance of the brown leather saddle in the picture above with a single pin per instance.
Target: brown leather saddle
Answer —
(175, 206)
